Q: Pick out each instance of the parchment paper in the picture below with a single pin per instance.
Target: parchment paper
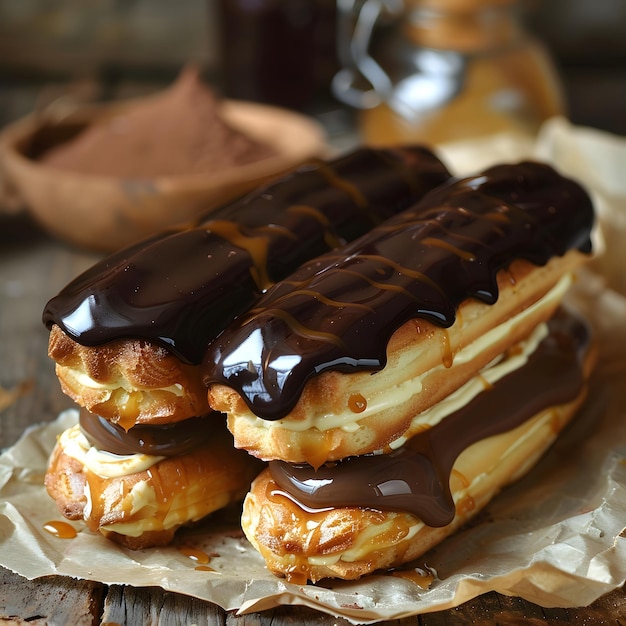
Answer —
(554, 538)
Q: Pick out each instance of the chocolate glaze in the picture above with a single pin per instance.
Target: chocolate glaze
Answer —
(416, 477)
(339, 311)
(154, 439)
(180, 288)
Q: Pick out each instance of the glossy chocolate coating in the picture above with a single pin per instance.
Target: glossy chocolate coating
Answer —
(416, 478)
(181, 288)
(154, 439)
(339, 311)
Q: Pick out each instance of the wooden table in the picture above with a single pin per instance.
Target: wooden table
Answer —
(33, 267)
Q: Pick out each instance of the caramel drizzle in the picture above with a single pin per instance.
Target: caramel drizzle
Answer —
(331, 239)
(465, 255)
(439, 243)
(306, 332)
(405, 271)
(256, 247)
(338, 182)
(338, 304)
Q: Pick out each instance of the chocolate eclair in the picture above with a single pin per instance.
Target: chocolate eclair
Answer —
(373, 512)
(128, 337)
(370, 353)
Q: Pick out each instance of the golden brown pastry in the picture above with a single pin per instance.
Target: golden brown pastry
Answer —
(430, 355)
(129, 382)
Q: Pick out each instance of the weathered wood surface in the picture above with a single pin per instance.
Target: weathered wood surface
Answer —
(33, 267)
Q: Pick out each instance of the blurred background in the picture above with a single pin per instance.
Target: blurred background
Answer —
(108, 49)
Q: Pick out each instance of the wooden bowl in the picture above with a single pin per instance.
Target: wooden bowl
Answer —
(105, 213)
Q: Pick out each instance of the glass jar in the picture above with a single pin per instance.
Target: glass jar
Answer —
(436, 71)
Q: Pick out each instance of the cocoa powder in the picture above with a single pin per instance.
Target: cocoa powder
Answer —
(179, 131)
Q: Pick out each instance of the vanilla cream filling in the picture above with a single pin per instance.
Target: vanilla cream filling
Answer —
(144, 499)
(182, 511)
(497, 369)
(121, 383)
(348, 420)
(100, 462)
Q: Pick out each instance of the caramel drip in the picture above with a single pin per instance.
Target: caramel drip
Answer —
(485, 383)
(357, 403)
(128, 411)
(401, 270)
(303, 331)
(316, 448)
(310, 527)
(447, 356)
(59, 529)
(195, 554)
(421, 577)
(182, 287)
(396, 273)
(462, 254)
(341, 183)
(460, 478)
(465, 505)
(256, 247)
(381, 286)
(162, 495)
(318, 296)
(96, 485)
(416, 478)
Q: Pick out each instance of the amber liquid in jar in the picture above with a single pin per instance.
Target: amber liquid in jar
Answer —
(479, 73)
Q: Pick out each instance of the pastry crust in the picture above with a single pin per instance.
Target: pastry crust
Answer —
(129, 381)
(145, 508)
(426, 359)
(351, 542)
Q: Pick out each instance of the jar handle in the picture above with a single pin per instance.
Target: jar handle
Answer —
(354, 33)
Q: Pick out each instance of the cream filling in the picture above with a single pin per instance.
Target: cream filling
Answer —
(497, 369)
(348, 421)
(100, 462)
(121, 383)
(182, 511)
(143, 498)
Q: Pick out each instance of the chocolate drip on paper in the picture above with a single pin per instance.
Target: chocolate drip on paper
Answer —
(339, 311)
(416, 477)
(180, 288)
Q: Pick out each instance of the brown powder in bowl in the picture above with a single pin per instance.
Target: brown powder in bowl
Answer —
(179, 131)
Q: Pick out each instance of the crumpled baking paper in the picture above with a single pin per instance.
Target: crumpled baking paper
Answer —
(554, 538)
